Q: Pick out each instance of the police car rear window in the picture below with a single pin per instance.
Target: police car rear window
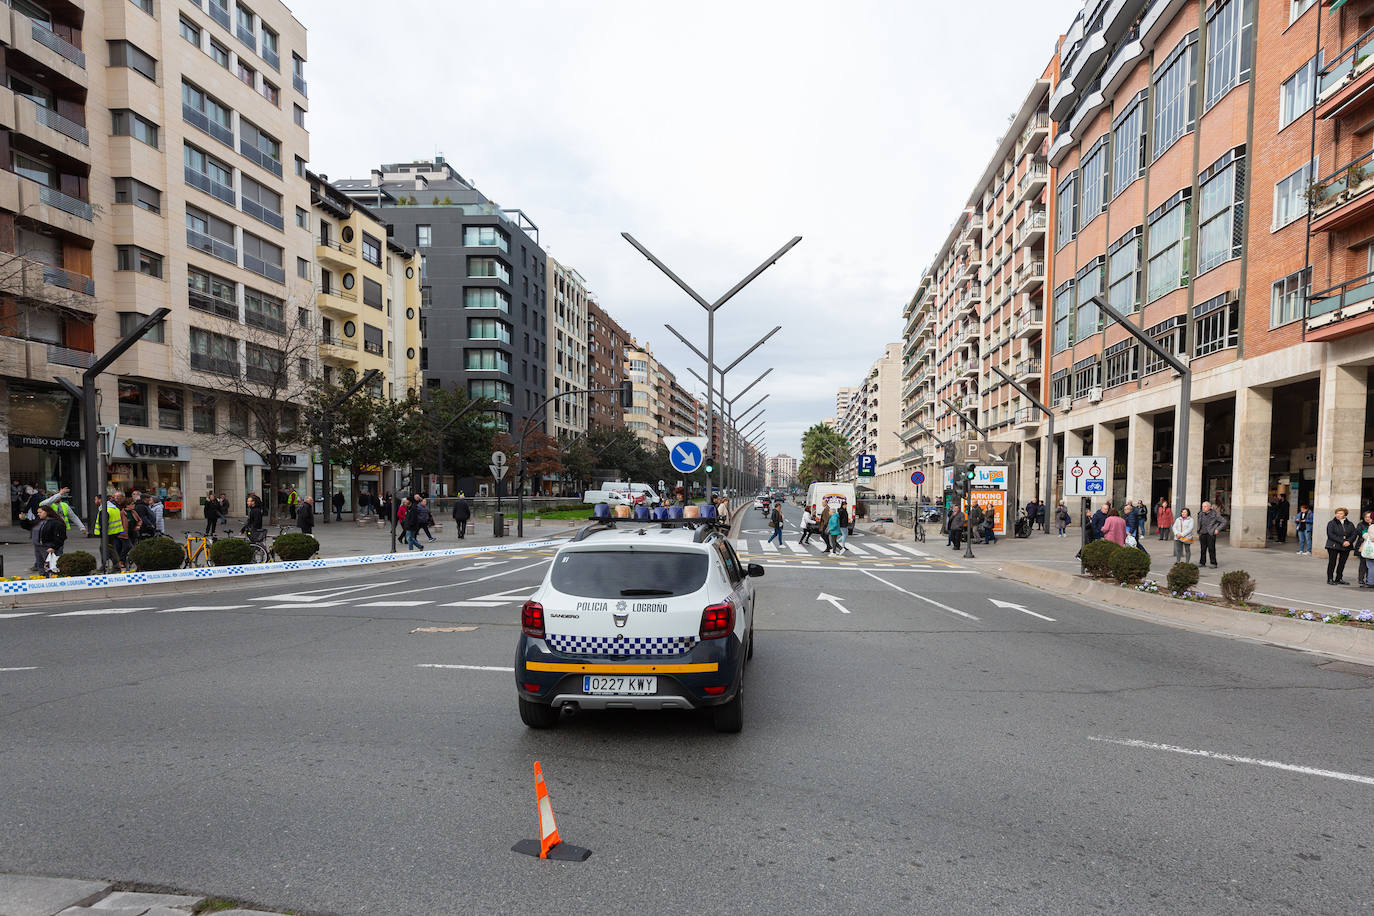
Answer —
(621, 573)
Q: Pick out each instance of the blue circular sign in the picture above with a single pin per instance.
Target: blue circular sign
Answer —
(918, 478)
(685, 457)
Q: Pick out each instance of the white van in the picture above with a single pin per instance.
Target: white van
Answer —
(833, 493)
(620, 493)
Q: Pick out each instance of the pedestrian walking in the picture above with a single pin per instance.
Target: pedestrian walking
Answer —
(844, 523)
(338, 502)
(975, 524)
(49, 537)
(823, 523)
(1041, 515)
(1062, 519)
(806, 521)
(420, 505)
(224, 510)
(1164, 519)
(461, 513)
(1185, 532)
(1302, 523)
(212, 514)
(1340, 538)
(293, 500)
(410, 523)
(252, 523)
(775, 522)
(1282, 511)
(990, 526)
(159, 514)
(305, 515)
(836, 531)
(1364, 546)
(1210, 523)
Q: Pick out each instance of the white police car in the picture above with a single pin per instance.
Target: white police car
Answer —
(639, 615)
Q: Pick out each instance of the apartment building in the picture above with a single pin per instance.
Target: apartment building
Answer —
(661, 407)
(607, 343)
(872, 417)
(121, 122)
(921, 454)
(782, 470)
(483, 285)
(568, 416)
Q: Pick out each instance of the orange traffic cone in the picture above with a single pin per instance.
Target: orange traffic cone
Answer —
(549, 845)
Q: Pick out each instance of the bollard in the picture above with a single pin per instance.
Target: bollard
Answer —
(498, 523)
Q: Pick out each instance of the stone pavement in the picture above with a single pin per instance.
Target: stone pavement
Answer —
(337, 539)
(24, 895)
(1283, 579)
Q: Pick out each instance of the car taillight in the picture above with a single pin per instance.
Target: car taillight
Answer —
(713, 691)
(532, 688)
(717, 621)
(532, 619)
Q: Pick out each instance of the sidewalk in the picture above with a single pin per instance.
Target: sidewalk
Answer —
(24, 895)
(1282, 578)
(337, 539)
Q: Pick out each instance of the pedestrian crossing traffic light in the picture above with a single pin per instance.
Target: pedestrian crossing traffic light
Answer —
(710, 465)
(627, 394)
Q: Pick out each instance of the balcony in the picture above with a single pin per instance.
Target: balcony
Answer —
(1033, 181)
(219, 13)
(63, 125)
(1346, 80)
(201, 121)
(271, 58)
(1029, 322)
(1341, 311)
(1031, 229)
(328, 251)
(253, 154)
(263, 269)
(968, 370)
(247, 37)
(1037, 129)
(1343, 197)
(1027, 418)
(212, 246)
(340, 301)
(299, 83)
(266, 322)
(68, 280)
(262, 214)
(66, 356)
(1028, 370)
(54, 42)
(212, 306)
(203, 182)
(1029, 277)
(215, 364)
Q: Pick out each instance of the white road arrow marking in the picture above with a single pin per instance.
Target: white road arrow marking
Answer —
(833, 600)
(1023, 610)
(18, 669)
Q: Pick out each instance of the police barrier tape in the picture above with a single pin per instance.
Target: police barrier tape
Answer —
(43, 586)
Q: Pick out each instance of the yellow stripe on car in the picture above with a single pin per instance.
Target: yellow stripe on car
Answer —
(557, 668)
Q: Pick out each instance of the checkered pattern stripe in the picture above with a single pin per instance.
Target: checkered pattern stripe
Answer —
(621, 645)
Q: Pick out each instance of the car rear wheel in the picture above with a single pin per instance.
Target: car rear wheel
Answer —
(538, 715)
(729, 717)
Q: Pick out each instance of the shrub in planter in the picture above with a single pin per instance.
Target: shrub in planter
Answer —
(1182, 576)
(231, 552)
(1237, 586)
(1129, 564)
(157, 553)
(296, 546)
(1097, 557)
(77, 563)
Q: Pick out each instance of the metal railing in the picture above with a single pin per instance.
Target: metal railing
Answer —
(62, 124)
(216, 364)
(1345, 63)
(1038, 171)
(1028, 367)
(219, 13)
(221, 307)
(77, 283)
(1029, 271)
(266, 322)
(262, 214)
(263, 269)
(1027, 415)
(253, 154)
(348, 294)
(247, 37)
(1327, 189)
(201, 121)
(327, 340)
(211, 245)
(299, 83)
(1358, 289)
(272, 59)
(204, 182)
(66, 356)
(65, 202)
(54, 42)
(337, 246)
(1040, 121)
(1029, 317)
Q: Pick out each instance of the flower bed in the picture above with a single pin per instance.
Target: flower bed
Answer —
(1345, 616)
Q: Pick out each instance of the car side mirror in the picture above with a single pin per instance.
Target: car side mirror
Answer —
(754, 570)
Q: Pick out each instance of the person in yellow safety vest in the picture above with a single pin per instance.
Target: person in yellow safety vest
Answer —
(63, 509)
(110, 520)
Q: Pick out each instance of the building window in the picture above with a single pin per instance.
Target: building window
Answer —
(488, 267)
(298, 115)
(133, 403)
(190, 31)
(1230, 28)
(300, 167)
(265, 366)
(302, 219)
(372, 340)
(207, 292)
(208, 174)
(145, 5)
(1215, 325)
(488, 329)
(211, 235)
(125, 53)
(1298, 92)
(171, 408)
(1297, 7)
(1089, 318)
(486, 298)
(271, 48)
(131, 257)
(1290, 195)
(1123, 273)
(302, 317)
(132, 191)
(271, 93)
(485, 237)
(1169, 335)
(423, 236)
(1167, 267)
(372, 293)
(1122, 363)
(1063, 317)
(217, 121)
(262, 148)
(1221, 212)
(303, 268)
(261, 202)
(1287, 297)
(263, 258)
(129, 124)
(1095, 180)
(1066, 211)
(487, 360)
(128, 321)
(1087, 375)
(372, 250)
(202, 413)
(219, 54)
(246, 74)
(1174, 85)
(263, 311)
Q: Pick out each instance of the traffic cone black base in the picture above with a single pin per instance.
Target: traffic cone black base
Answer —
(563, 852)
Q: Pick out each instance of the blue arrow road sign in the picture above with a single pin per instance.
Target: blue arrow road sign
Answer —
(684, 453)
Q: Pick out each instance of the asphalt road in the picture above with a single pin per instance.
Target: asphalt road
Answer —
(909, 745)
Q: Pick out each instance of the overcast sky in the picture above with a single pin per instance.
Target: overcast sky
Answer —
(712, 132)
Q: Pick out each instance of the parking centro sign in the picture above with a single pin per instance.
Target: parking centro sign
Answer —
(685, 453)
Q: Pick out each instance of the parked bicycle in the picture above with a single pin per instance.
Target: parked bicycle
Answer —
(197, 550)
(263, 549)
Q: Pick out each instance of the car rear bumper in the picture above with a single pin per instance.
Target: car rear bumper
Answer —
(682, 679)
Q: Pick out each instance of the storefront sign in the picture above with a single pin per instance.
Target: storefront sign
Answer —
(19, 441)
(288, 460)
(151, 451)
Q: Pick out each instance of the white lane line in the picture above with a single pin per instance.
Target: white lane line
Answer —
(888, 567)
(467, 667)
(3, 670)
(301, 607)
(319, 594)
(25, 614)
(1232, 758)
(911, 550)
(452, 585)
(945, 607)
(203, 607)
(395, 603)
(883, 551)
(101, 611)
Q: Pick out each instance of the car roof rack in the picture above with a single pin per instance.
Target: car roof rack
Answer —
(704, 527)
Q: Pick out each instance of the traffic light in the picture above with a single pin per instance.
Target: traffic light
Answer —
(627, 394)
(710, 465)
(970, 475)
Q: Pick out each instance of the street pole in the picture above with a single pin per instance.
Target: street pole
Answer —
(727, 453)
(1049, 448)
(1185, 399)
(710, 308)
(326, 431)
(960, 414)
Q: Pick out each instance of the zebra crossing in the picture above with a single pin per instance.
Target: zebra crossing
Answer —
(868, 552)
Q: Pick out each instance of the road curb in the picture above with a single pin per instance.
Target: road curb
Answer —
(1353, 643)
(140, 583)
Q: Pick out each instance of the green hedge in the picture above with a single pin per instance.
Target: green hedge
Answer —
(157, 553)
(1182, 576)
(1097, 557)
(231, 552)
(296, 546)
(1129, 564)
(77, 563)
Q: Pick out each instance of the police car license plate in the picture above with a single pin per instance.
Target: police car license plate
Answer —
(619, 685)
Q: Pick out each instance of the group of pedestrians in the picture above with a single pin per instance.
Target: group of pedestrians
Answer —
(1344, 537)
(832, 524)
(413, 516)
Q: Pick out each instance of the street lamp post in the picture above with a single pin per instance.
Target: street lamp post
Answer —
(960, 414)
(729, 403)
(710, 308)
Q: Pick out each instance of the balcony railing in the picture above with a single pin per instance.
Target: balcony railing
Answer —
(263, 375)
(247, 37)
(219, 13)
(374, 348)
(54, 42)
(1033, 223)
(337, 246)
(342, 343)
(299, 83)
(1037, 172)
(1041, 121)
(77, 283)
(201, 121)
(271, 58)
(203, 303)
(263, 269)
(1330, 191)
(207, 184)
(66, 356)
(202, 242)
(348, 294)
(1031, 270)
(262, 214)
(1351, 292)
(1353, 59)
(62, 124)
(1028, 319)
(217, 364)
(65, 202)
(266, 322)
(1028, 367)
(1027, 415)
(254, 154)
